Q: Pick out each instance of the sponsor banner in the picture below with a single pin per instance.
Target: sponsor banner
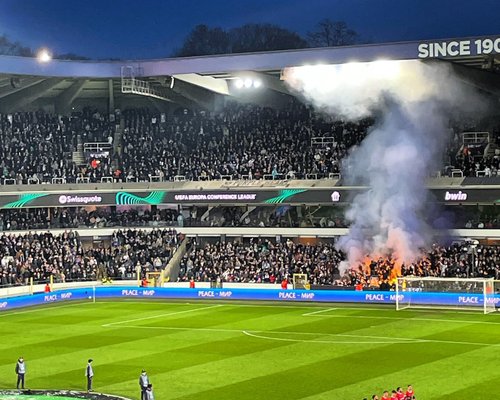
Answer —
(336, 195)
(75, 199)
(459, 47)
(339, 296)
(45, 298)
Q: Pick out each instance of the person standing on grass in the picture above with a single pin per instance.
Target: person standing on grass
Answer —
(89, 373)
(20, 371)
(409, 392)
(149, 392)
(144, 383)
(400, 395)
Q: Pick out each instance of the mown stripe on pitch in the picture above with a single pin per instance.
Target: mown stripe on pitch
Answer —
(484, 388)
(206, 346)
(239, 363)
(306, 378)
(446, 375)
(43, 350)
(46, 325)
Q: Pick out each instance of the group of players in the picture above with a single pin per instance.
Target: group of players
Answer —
(397, 394)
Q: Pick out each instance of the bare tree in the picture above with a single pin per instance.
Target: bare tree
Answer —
(332, 33)
(264, 37)
(247, 38)
(204, 40)
(10, 48)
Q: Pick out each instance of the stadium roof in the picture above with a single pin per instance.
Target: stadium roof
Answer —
(24, 80)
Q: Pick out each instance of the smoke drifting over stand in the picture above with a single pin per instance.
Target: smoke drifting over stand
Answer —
(412, 103)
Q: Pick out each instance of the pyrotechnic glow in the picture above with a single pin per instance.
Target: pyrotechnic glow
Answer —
(411, 100)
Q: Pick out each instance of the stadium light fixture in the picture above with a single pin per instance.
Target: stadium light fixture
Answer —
(238, 83)
(247, 83)
(44, 56)
(385, 68)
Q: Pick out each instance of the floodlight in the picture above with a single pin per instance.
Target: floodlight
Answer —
(248, 83)
(238, 83)
(257, 83)
(44, 56)
(385, 68)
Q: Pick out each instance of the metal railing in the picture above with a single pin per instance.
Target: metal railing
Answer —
(475, 138)
(97, 146)
(322, 141)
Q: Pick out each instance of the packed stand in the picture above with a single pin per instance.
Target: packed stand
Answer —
(101, 217)
(460, 260)
(265, 261)
(241, 142)
(66, 258)
(57, 218)
(260, 261)
(36, 146)
(480, 157)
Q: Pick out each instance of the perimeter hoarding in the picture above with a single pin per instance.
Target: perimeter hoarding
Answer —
(334, 195)
(330, 296)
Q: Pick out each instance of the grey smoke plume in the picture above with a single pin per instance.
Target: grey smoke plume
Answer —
(412, 102)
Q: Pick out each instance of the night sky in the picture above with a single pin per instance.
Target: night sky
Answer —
(155, 28)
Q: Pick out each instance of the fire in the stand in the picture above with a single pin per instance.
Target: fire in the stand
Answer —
(375, 269)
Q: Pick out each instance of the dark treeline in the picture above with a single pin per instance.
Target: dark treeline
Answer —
(206, 40)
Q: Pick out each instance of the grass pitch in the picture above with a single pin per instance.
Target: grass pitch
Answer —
(253, 351)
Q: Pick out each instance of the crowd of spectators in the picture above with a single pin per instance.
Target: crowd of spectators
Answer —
(460, 260)
(473, 157)
(282, 216)
(39, 146)
(260, 261)
(57, 218)
(240, 141)
(65, 257)
(101, 217)
(266, 261)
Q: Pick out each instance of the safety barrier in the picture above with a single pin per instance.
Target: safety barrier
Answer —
(330, 296)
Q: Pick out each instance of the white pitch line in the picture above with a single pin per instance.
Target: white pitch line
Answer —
(161, 315)
(318, 312)
(327, 341)
(258, 334)
(398, 340)
(319, 305)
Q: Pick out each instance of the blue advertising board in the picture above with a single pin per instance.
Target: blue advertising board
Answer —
(331, 296)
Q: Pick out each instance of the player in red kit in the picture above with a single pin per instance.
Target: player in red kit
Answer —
(394, 395)
(410, 394)
(385, 396)
(400, 395)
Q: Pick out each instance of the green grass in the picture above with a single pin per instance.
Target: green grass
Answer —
(253, 350)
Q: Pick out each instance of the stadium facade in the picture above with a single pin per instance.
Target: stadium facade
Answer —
(206, 83)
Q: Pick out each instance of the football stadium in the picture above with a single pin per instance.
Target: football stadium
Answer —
(320, 223)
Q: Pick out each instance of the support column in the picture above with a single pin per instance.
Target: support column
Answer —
(111, 103)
